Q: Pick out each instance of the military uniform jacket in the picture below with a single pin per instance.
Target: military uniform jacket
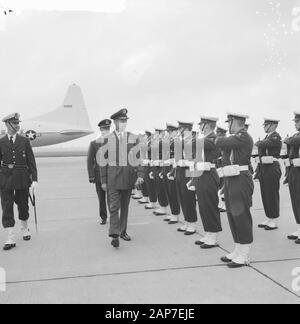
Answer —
(210, 149)
(239, 148)
(18, 165)
(270, 146)
(188, 145)
(293, 146)
(120, 173)
(189, 152)
(211, 152)
(92, 165)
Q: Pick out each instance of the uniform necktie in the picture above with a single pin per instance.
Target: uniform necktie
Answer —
(11, 139)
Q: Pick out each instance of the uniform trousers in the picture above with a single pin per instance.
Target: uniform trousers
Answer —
(238, 198)
(160, 188)
(102, 201)
(269, 178)
(172, 193)
(187, 198)
(145, 191)
(207, 187)
(150, 184)
(294, 185)
(8, 199)
(119, 201)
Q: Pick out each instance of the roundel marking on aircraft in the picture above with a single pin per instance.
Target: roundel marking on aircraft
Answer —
(31, 135)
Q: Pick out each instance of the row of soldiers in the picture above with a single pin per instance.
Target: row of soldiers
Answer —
(180, 182)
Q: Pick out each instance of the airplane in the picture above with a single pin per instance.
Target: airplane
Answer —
(68, 122)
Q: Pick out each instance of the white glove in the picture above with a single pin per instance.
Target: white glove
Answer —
(171, 178)
(151, 175)
(139, 182)
(190, 188)
(161, 175)
(33, 187)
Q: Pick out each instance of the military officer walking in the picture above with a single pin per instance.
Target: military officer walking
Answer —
(239, 189)
(17, 174)
(269, 173)
(119, 177)
(94, 169)
(207, 184)
(293, 144)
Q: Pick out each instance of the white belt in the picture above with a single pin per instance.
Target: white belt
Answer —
(296, 163)
(158, 163)
(205, 166)
(169, 162)
(185, 164)
(267, 160)
(232, 170)
(287, 163)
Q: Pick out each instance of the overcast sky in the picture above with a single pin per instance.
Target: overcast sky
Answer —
(165, 60)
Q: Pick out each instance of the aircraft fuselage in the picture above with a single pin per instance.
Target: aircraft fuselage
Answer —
(45, 134)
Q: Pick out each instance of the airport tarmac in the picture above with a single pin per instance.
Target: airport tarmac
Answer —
(71, 260)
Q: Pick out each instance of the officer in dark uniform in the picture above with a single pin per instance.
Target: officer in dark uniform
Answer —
(119, 176)
(239, 189)
(94, 169)
(269, 174)
(187, 198)
(208, 183)
(293, 144)
(168, 174)
(17, 174)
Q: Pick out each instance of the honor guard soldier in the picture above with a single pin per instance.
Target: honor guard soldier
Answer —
(138, 192)
(143, 138)
(187, 198)
(269, 173)
(208, 183)
(221, 132)
(157, 151)
(17, 174)
(94, 168)
(144, 158)
(239, 189)
(119, 177)
(169, 177)
(285, 157)
(149, 174)
(293, 144)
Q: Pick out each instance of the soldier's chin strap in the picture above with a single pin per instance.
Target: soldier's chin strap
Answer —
(13, 127)
(203, 125)
(230, 126)
(269, 128)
